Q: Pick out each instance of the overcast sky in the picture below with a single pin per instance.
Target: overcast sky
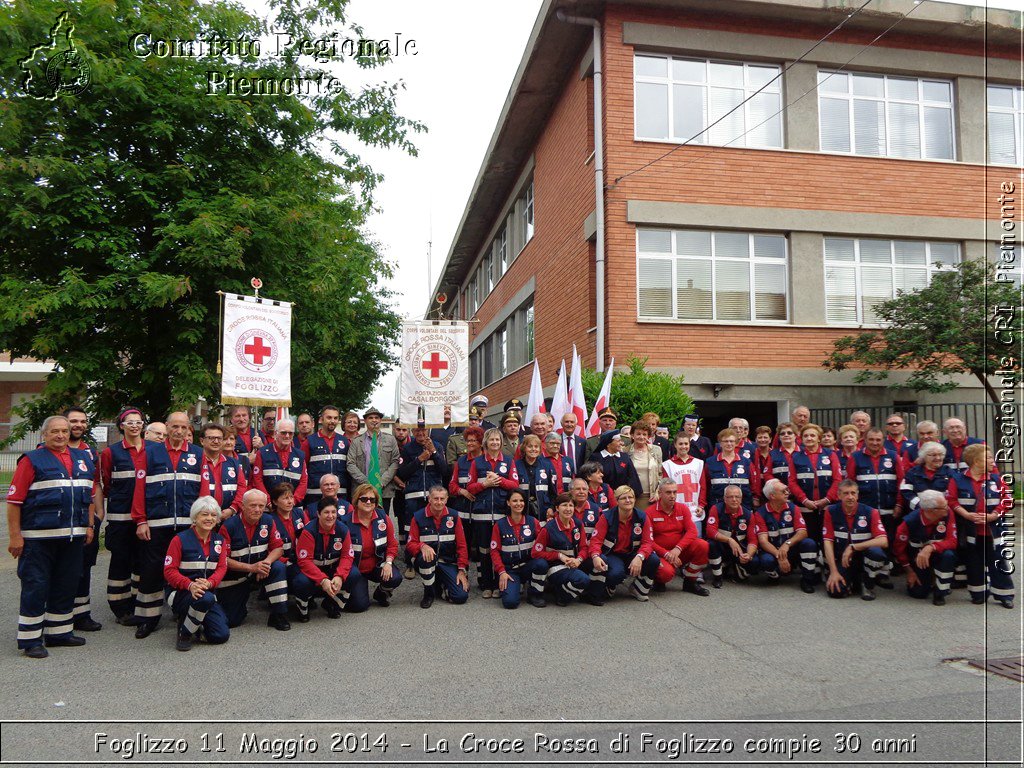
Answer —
(467, 55)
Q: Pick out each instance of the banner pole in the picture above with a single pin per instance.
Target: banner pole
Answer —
(220, 333)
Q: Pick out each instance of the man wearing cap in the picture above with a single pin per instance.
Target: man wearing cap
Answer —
(481, 402)
(700, 446)
(281, 461)
(511, 423)
(457, 442)
(373, 457)
(608, 420)
(123, 476)
(616, 464)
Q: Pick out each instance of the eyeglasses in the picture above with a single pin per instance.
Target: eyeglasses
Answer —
(133, 423)
(364, 499)
(282, 432)
(894, 423)
(212, 438)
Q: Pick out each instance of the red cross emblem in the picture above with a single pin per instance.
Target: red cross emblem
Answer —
(434, 365)
(257, 350)
(688, 488)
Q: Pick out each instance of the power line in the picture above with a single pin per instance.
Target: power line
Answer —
(759, 90)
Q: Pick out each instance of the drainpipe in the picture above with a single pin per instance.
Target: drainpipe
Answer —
(598, 176)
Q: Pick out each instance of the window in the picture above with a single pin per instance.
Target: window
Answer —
(702, 275)
(1005, 124)
(501, 248)
(885, 116)
(507, 349)
(528, 214)
(860, 274)
(676, 98)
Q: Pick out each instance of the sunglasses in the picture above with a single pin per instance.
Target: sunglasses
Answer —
(364, 499)
(894, 424)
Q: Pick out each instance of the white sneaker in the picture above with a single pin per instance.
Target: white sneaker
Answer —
(409, 573)
(488, 594)
(638, 596)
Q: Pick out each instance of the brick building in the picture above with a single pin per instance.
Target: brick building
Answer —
(850, 171)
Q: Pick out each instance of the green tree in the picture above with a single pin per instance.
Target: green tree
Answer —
(638, 391)
(959, 324)
(124, 208)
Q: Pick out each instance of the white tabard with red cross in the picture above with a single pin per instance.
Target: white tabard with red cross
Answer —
(257, 351)
(688, 477)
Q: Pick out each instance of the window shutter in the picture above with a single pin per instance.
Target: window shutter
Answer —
(834, 125)
(693, 289)
(654, 277)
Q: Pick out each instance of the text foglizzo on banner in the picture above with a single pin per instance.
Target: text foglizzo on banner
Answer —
(257, 352)
(435, 372)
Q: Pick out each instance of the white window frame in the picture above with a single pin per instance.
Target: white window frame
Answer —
(672, 257)
(705, 138)
(932, 266)
(886, 100)
(1017, 111)
(528, 214)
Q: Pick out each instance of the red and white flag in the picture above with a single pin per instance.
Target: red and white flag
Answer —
(560, 400)
(604, 400)
(535, 403)
(577, 400)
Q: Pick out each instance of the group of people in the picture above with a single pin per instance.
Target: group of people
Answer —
(300, 513)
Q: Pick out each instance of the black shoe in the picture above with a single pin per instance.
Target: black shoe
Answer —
(71, 641)
(127, 620)
(866, 592)
(1008, 604)
(561, 601)
(184, 642)
(428, 598)
(87, 624)
(333, 611)
(716, 582)
(806, 587)
(659, 587)
(381, 597)
(938, 600)
(36, 652)
(279, 621)
(978, 599)
(588, 597)
(773, 579)
(883, 582)
(537, 601)
(302, 618)
(142, 631)
(693, 587)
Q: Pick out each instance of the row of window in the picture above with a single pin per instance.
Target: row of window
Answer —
(513, 236)
(686, 99)
(503, 351)
(736, 276)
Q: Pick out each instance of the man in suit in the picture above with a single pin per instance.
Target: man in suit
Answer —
(574, 445)
(373, 457)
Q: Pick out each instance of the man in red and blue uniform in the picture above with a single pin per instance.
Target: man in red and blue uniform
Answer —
(326, 453)
(173, 483)
(50, 519)
(437, 546)
(779, 529)
(854, 542)
(325, 556)
(222, 474)
(254, 560)
(79, 421)
(879, 474)
(728, 530)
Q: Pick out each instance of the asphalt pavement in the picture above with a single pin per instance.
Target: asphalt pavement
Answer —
(760, 666)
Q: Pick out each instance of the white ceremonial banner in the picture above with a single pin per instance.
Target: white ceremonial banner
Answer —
(257, 352)
(435, 372)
